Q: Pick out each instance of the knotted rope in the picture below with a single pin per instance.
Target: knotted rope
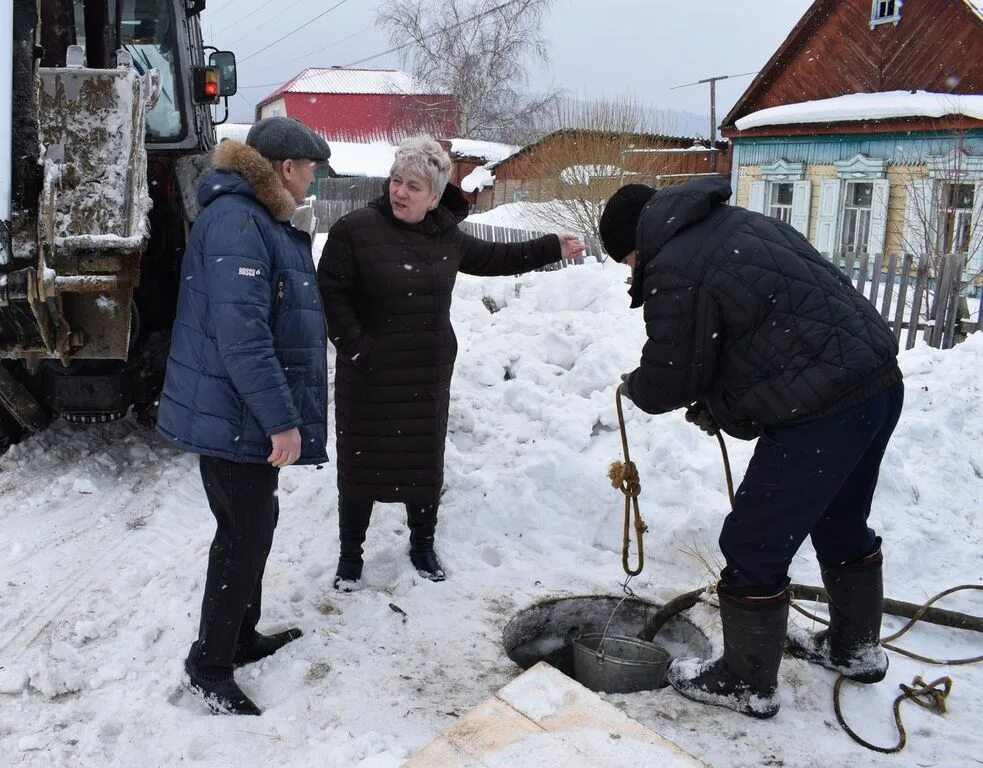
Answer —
(624, 475)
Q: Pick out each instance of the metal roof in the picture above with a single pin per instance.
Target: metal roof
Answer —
(367, 81)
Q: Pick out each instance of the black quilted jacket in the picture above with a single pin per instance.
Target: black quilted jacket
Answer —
(743, 314)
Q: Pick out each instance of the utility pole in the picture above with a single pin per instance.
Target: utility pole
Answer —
(713, 99)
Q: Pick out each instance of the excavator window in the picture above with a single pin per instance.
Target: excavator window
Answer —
(146, 31)
(144, 28)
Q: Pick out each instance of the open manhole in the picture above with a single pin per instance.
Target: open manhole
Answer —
(546, 631)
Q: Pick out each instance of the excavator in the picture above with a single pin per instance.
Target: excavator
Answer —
(106, 121)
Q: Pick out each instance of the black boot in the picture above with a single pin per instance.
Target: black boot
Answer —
(222, 695)
(745, 678)
(260, 646)
(851, 644)
(353, 522)
(422, 520)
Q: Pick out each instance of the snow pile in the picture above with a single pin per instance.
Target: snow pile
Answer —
(582, 174)
(478, 179)
(104, 534)
(867, 106)
(534, 217)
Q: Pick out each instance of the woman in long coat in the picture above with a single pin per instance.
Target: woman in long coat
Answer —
(386, 276)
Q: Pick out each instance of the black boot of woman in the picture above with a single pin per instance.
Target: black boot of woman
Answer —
(353, 522)
(422, 520)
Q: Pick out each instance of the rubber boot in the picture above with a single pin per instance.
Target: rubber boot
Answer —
(745, 678)
(353, 522)
(221, 693)
(259, 646)
(851, 644)
(422, 521)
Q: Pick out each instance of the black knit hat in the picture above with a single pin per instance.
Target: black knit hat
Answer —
(284, 138)
(620, 219)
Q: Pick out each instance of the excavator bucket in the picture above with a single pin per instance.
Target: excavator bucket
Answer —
(93, 216)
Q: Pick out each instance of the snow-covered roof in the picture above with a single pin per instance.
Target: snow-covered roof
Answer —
(347, 158)
(867, 106)
(977, 7)
(234, 131)
(340, 80)
(352, 159)
(489, 151)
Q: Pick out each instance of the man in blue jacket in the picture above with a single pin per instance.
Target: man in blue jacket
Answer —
(751, 329)
(246, 381)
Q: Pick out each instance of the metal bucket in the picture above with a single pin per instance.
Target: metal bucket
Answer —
(617, 664)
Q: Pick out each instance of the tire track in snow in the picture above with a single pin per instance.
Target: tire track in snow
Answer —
(108, 530)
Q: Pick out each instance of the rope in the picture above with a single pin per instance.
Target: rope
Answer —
(624, 475)
(928, 695)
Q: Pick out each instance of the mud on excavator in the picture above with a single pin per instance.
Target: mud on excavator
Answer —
(105, 124)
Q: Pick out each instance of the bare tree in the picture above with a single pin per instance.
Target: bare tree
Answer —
(478, 51)
(599, 146)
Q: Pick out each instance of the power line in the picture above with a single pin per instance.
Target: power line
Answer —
(333, 43)
(295, 30)
(246, 15)
(433, 34)
(263, 24)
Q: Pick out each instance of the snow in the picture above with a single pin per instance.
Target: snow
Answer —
(867, 106)
(534, 217)
(104, 534)
(479, 178)
(348, 158)
(490, 151)
(582, 174)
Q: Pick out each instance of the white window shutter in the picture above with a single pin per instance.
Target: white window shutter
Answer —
(829, 211)
(801, 200)
(920, 219)
(757, 200)
(975, 263)
(878, 217)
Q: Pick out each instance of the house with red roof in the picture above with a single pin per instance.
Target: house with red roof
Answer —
(363, 105)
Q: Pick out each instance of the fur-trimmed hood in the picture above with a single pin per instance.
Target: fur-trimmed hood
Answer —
(241, 170)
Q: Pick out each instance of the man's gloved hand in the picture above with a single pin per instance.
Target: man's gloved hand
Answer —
(625, 387)
(699, 414)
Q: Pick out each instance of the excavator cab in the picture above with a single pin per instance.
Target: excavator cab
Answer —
(111, 116)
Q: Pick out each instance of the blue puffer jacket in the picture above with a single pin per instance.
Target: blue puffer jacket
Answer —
(248, 353)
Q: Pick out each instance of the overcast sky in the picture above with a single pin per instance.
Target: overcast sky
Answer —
(598, 47)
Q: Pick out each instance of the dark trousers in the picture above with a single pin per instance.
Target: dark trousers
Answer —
(816, 479)
(243, 499)
(354, 515)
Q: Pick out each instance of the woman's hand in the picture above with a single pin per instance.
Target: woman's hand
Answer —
(571, 247)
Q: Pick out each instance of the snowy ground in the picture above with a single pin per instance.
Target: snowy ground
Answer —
(104, 533)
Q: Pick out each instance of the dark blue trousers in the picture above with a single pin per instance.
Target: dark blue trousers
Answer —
(815, 479)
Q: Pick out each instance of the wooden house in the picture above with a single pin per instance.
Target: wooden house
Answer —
(360, 105)
(571, 161)
(865, 130)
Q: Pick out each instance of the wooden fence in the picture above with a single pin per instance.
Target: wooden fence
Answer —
(508, 235)
(336, 197)
(912, 296)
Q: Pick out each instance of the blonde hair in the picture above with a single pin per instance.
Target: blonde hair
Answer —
(425, 157)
